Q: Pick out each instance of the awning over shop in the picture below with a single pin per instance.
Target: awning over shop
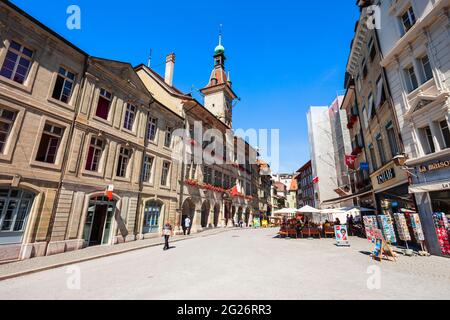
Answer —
(430, 187)
(342, 199)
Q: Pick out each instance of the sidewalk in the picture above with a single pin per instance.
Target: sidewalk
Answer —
(20, 268)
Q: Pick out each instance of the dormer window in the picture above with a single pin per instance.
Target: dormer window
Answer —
(408, 19)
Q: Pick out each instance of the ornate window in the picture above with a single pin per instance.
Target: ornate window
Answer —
(49, 145)
(64, 85)
(124, 160)
(94, 154)
(130, 116)
(103, 105)
(7, 119)
(17, 63)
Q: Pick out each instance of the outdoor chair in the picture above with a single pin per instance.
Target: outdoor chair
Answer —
(329, 231)
(292, 233)
(310, 232)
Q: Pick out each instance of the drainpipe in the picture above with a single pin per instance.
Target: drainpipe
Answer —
(65, 161)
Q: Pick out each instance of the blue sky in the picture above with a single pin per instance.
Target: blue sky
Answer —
(283, 55)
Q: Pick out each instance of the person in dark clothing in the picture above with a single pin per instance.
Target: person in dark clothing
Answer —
(350, 222)
(167, 233)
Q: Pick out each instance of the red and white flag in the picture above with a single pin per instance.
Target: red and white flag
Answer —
(350, 161)
(109, 192)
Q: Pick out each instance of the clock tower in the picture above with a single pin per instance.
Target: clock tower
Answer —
(218, 93)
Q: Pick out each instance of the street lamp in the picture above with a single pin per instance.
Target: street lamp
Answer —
(400, 162)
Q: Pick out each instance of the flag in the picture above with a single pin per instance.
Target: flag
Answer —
(316, 180)
(234, 191)
(350, 161)
(109, 192)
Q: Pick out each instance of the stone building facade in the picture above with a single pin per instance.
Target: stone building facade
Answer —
(40, 80)
(416, 56)
(87, 148)
(378, 124)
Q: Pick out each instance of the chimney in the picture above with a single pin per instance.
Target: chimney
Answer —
(170, 66)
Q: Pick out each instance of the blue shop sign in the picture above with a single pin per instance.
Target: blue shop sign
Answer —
(364, 166)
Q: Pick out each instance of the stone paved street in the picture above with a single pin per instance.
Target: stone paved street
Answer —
(241, 264)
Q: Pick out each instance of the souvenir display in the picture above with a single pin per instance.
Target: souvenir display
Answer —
(386, 226)
(442, 231)
(370, 225)
(382, 248)
(417, 227)
(402, 227)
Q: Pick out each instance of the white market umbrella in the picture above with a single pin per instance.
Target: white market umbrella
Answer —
(289, 212)
(338, 210)
(332, 214)
(286, 211)
(308, 209)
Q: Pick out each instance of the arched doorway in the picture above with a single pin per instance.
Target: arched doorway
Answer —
(188, 210)
(97, 228)
(15, 207)
(152, 215)
(216, 215)
(205, 214)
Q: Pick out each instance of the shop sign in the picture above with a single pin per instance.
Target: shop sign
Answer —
(364, 166)
(435, 166)
(386, 176)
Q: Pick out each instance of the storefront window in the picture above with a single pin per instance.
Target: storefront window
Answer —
(151, 217)
(440, 202)
(15, 206)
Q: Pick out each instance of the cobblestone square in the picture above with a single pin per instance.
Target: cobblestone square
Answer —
(241, 264)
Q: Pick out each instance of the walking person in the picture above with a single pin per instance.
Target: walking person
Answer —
(167, 233)
(187, 226)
